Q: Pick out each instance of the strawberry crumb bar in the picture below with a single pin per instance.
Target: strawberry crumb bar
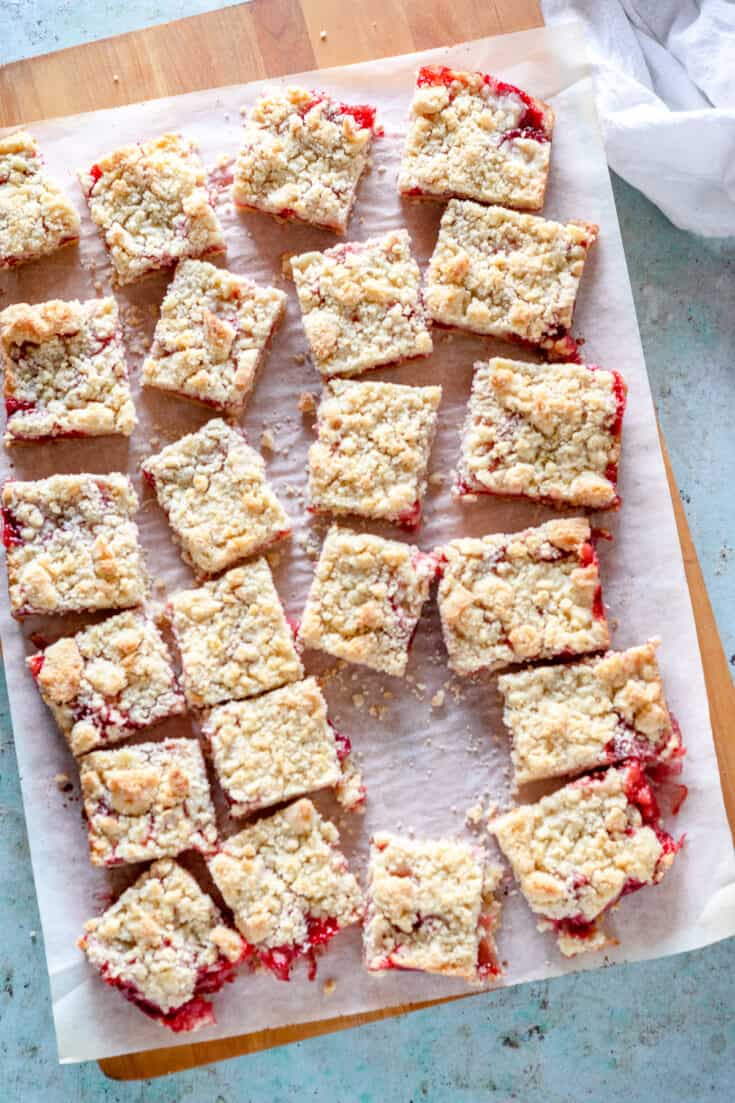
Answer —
(233, 636)
(508, 275)
(578, 716)
(150, 800)
(372, 450)
(65, 373)
(275, 747)
(288, 886)
(366, 599)
(36, 217)
(303, 156)
(212, 336)
(361, 304)
(476, 137)
(430, 906)
(72, 545)
(212, 486)
(508, 598)
(151, 204)
(165, 945)
(548, 432)
(577, 852)
(108, 681)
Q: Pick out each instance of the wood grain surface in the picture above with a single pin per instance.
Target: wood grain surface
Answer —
(270, 38)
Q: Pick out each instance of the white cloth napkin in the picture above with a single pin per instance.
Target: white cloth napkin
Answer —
(665, 80)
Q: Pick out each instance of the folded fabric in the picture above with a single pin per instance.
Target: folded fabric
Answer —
(664, 73)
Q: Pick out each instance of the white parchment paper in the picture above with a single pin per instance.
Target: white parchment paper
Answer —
(423, 766)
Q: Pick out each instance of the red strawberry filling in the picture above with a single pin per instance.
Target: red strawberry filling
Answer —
(279, 960)
(193, 1014)
(11, 529)
(411, 517)
(532, 123)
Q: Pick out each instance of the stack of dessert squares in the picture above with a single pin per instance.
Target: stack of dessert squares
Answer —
(593, 721)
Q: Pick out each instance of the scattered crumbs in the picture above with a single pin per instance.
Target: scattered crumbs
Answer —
(299, 358)
(438, 699)
(63, 783)
(381, 170)
(307, 402)
(267, 441)
(159, 585)
(116, 78)
(474, 814)
(388, 694)
(329, 986)
(377, 711)
(361, 220)
(285, 262)
(358, 700)
(470, 498)
(436, 478)
(323, 35)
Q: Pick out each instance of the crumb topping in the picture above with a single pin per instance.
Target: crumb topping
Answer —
(577, 851)
(508, 275)
(535, 594)
(549, 432)
(107, 681)
(425, 902)
(151, 205)
(65, 371)
(212, 335)
(373, 448)
(366, 599)
(361, 304)
(476, 137)
(163, 941)
(273, 748)
(147, 801)
(233, 637)
(575, 717)
(72, 545)
(36, 217)
(302, 157)
(284, 873)
(213, 488)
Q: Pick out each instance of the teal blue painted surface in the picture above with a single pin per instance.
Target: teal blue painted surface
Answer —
(653, 1033)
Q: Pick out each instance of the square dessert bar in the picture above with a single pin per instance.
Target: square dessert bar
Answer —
(65, 373)
(575, 717)
(150, 800)
(361, 304)
(511, 597)
(289, 887)
(430, 906)
(211, 484)
(302, 157)
(108, 681)
(233, 637)
(36, 217)
(164, 945)
(476, 137)
(548, 432)
(274, 747)
(372, 450)
(366, 598)
(151, 205)
(577, 852)
(508, 275)
(212, 336)
(72, 544)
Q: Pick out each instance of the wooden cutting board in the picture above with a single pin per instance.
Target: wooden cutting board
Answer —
(270, 38)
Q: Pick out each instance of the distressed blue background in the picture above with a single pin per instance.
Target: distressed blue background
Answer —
(653, 1033)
